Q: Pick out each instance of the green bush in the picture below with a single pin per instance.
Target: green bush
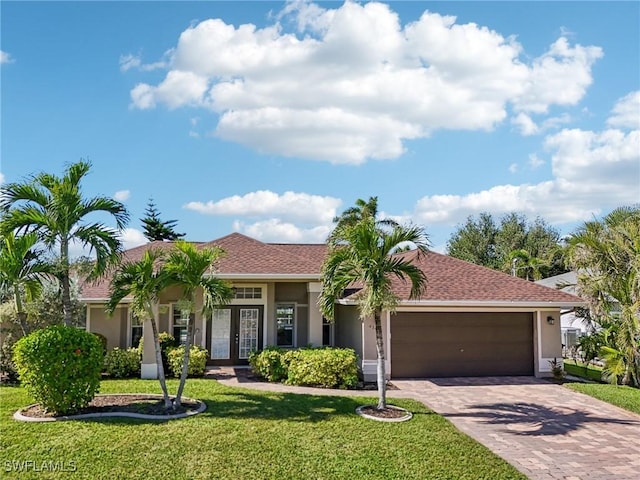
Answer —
(8, 372)
(197, 360)
(122, 363)
(322, 367)
(269, 364)
(59, 367)
(103, 342)
(167, 342)
(317, 367)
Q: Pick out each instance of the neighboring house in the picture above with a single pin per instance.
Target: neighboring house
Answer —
(572, 326)
(471, 321)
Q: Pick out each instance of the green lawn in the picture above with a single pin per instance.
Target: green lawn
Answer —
(578, 369)
(623, 397)
(247, 434)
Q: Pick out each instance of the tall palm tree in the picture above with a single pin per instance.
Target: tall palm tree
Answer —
(143, 281)
(360, 255)
(520, 261)
(362, 209)
(56, 210)
(607, 255)
(22, 271)
(192, 269)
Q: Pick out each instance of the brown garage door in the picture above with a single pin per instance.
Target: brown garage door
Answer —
(461, 344)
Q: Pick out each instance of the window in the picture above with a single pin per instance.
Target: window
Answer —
(285, 321)
(247, 292)
(327, 332)
(136, 331)
(180, 323)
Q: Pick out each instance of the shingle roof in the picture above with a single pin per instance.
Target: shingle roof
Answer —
(451, 280)
(448, 279)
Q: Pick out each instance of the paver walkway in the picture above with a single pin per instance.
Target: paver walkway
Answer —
(545, 430)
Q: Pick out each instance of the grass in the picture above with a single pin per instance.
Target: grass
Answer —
(582, 370)
(247, 434)
(621, 396)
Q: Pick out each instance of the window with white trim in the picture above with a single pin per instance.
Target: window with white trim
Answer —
(247, 292)
(327, 332)
(180, 322)
(136, 330)
(286, 324)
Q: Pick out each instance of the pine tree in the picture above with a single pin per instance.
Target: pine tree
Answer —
(156, 229)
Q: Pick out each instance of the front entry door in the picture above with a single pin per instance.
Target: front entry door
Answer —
(235, 332)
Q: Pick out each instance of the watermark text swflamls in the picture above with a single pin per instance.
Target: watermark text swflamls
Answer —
(40, 466)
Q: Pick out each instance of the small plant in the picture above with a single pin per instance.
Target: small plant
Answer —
(197, 361)
(122, 363)
(103, 342)
(60, 367)
(557, 368)
(8, 372)
(269, 364)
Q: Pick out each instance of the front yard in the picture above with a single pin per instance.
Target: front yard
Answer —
(618, 395)
(245, 434)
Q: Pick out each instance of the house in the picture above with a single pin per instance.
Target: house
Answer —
(471, 321)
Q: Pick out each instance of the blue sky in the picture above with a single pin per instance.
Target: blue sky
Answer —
(269, 118)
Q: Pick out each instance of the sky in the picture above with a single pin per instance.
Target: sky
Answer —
(270, 118)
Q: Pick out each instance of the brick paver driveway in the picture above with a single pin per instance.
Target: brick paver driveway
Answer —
(545, 430)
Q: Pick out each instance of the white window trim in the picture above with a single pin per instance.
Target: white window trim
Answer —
(250, 301)
(130, 326)
(295, 324)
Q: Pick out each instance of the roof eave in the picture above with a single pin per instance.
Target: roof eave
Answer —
(477, 303)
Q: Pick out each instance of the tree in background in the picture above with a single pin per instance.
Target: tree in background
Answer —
(155, 229)
(484, 242)
(360, 254)
(606, 254)
(55, 209)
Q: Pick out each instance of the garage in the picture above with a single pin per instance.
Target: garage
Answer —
(461, 344)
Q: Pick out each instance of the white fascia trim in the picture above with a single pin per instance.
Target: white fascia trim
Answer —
(269, 276)
(475, 303)
(102, 300)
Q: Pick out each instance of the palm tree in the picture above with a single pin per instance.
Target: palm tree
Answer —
(22, 271)
(522, 261)
(363, 209)
(55, 209)
(360, 255)
(143, 281)
(607, 255)
(191, 269)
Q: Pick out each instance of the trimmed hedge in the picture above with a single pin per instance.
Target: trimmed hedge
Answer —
(60, 367)
(316, 367)
(122, 363)
(197, 361)
(590, 372)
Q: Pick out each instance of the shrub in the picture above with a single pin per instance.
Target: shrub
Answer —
(167, 342)
(103, 342)
(197, 360)
(59, 367)
(322, 367)
(8, 372)
(122, 363)
(269, 364)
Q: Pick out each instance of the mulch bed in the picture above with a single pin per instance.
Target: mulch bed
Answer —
(143, 404)
(384, 413)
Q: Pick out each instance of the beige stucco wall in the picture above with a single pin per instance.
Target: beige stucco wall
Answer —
(348, 328)
(551, 337)
(114, 328)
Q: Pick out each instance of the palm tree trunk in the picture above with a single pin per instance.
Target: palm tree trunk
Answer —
(185, 363)
(22, 316)
(158, 351)
(64, 281)
(382, 381)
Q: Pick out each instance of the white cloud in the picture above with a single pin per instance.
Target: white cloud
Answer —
(129, 61)
(535, 161)
(1, 178)
(5, 57)
(626, 112)
(275, 230)
(591, 171)
(527, 126)
(122, 195)
(354, 83)
(513, 168)
(130, 237)
(290, 206)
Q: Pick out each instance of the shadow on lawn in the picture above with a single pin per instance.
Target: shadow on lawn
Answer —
(534, 419)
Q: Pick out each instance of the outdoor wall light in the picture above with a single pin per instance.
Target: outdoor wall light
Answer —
(551, 320)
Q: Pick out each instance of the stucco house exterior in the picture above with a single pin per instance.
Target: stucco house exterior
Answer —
(471, 321)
